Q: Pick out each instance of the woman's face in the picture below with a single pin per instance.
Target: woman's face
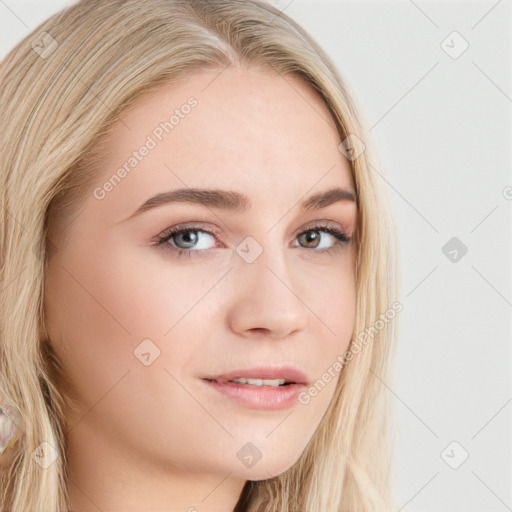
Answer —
(140, 326)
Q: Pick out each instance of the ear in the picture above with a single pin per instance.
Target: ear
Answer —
(9, 435)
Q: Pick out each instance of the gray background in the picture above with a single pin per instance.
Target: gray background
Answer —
(442, 129)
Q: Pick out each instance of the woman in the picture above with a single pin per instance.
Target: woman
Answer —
(198, 268)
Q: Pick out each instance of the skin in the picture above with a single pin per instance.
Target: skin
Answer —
(157, 437)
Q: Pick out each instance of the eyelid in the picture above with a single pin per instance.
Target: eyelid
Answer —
(192, 226)
(323, 223)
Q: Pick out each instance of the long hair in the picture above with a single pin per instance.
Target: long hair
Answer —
(61, 88)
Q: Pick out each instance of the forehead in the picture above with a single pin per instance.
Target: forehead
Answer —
(247, 129)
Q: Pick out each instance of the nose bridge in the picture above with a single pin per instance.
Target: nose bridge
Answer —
(266, 288)
(264, 261)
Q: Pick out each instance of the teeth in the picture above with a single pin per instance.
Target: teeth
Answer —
(260, 382)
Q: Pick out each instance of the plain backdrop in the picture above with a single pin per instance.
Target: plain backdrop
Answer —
(433, 81)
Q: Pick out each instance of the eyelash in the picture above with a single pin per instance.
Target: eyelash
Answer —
(341, 239)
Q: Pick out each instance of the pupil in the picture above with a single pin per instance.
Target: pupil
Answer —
(189, 234)
(311, 235)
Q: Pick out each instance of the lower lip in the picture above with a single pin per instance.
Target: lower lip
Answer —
(269, 398)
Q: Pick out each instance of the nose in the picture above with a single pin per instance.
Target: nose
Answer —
(267, 297)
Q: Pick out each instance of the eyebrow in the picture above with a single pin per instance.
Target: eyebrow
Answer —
(236, 201)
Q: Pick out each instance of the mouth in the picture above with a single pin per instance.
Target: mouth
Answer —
(257, 382)
(263, 376)
(261, 388)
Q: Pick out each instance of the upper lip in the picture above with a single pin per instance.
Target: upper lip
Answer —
(287, 372)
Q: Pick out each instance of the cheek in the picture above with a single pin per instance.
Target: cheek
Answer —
(335, 308)
(333, 305)
(98, 309)
(336, 302)
(153, 292)
(86, 330)
(100, 306)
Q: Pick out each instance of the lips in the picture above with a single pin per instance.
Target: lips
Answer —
(257, 392)
(290, 374)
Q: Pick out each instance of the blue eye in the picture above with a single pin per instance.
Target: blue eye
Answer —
(184, 239)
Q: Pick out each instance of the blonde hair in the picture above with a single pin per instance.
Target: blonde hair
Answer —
(98, 57)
